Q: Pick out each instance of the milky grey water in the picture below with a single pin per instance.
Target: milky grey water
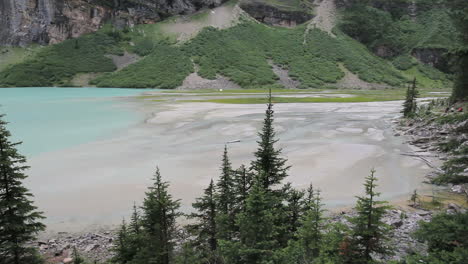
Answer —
(334, 146)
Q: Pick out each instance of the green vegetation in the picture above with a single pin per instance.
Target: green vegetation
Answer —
(165, 67)
(410, 105)
(446, 237)
(289, 5)
(15, 55)
(232, 53)
(151, 237)
(392, 26)
(451, 119)
(20, 220)
(369, 232)
(56, 65)
(437, 114)
(460, 14)
(242, 53)
(280, 100)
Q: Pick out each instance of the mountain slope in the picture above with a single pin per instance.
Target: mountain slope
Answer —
(240, 49)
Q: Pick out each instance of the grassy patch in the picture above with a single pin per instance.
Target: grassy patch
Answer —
(15, 55)
(425, 79)
(279, 100)
(287, 5)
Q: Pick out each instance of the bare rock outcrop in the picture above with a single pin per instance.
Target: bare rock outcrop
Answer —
(275, 15)
(23, 22)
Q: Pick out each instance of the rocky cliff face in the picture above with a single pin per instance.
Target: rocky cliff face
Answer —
(273, 15)
(435, 57)
(24, 22)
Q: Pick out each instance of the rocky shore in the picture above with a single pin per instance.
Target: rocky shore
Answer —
(429, 136)
(97, 246)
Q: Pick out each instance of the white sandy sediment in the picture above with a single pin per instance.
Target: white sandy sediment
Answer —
(332, 145)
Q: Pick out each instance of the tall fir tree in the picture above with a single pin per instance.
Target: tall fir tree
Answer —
(122, 247)
(135, 221)
(268, 162)
(293, 210)
(205, 229)
(369, 232)
(19, 218)
(225, 199)
(410, 105)
(134, 234)
(460, 16)
(257, 231)
(160, 212)
(242, 184)
(312, 224)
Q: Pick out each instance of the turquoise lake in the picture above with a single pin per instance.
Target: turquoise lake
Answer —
(50, 119)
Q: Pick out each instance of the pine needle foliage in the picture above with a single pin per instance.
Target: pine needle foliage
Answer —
(205, 229)
(410, 105)
(268, 163)
(19, 218)
(369, 232)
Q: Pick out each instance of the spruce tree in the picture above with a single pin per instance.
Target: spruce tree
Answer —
(268, 162)
(160, 212)
(414, 198)
(242, 184)
(310, 232)
(122, 246)
(257, 231)
(19, 220)
(460, 52)
(135, 223)
(369, 232)
(205, 228)
(134, 235)
(410, 105)
(294, 209)
(225, 199)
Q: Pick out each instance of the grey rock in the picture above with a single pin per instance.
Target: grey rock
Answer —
(91, 247)
(51, 21)
(274, 15)
(457, 189)
(454, 207)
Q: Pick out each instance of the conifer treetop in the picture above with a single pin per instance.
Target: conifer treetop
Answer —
(19, 218)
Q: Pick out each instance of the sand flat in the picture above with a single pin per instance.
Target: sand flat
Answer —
(97, 183)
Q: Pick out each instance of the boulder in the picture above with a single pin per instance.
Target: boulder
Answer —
(457, 189)
(91, 247)
(454, 207)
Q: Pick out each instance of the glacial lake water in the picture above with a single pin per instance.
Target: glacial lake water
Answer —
(51, 119)
(93, 151)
